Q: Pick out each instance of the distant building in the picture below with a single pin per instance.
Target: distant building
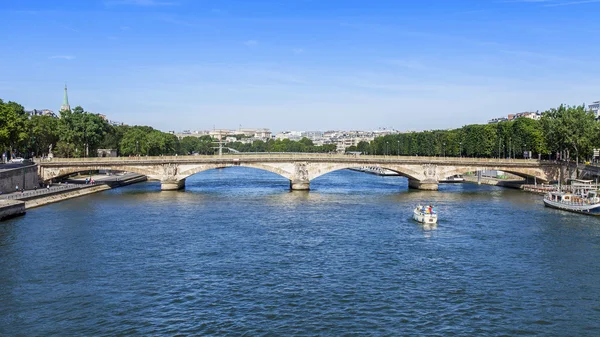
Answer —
(221, 133)
(65, 106)
(532, 115)
(262, 134)
(115, 123)
(291, 135)
(42, 112)
(595, 108)
(497, 120)
(510, 117)
(107, 153)
(312, 134)
(102, 116)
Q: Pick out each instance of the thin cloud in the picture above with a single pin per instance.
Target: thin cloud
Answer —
(146, 3)
(251, 43)
(554, 3)
(298, 50)
(62, 57)
(69, 28)
(571, 3)
(409, 64)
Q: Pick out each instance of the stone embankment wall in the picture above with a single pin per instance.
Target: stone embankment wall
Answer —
(11, 208)
(24, 177)
(64, 196)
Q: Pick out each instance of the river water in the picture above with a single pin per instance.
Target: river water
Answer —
(237, 253)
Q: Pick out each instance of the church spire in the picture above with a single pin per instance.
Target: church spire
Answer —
(65, 106)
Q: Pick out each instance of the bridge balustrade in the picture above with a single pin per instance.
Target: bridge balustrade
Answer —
(296, 156)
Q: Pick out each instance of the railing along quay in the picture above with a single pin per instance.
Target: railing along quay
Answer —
(39, 192)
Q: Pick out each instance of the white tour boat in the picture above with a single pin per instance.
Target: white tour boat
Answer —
(580, 197)
(425, 214)
(454, 179)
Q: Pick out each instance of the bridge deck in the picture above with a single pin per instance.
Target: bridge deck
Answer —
(234, 158)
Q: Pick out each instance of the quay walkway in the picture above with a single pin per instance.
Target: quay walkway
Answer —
(40, 192)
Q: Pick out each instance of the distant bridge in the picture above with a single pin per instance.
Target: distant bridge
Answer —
(300, 168)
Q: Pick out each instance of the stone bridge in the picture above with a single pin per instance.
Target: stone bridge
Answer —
(422, 172)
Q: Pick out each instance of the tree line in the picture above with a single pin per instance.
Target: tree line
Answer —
(78, 133)
(566, 132)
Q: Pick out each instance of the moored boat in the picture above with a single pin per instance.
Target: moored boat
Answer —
(425, 214)
(454, 179)
(582, 197)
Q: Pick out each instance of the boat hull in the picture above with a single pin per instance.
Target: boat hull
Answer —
(592, 209)
(425, 218)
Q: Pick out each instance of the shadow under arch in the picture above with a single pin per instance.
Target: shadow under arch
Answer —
(402, 171)
(227, 168)
(263, 167)
(525, 175)
(69, 170)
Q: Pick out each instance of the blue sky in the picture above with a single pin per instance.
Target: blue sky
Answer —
(301, 64)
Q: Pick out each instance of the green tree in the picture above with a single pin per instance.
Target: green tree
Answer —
(13, 128)
(43, 133)
(189, 144)
(82, 131)
(134, 142)
(570, 130)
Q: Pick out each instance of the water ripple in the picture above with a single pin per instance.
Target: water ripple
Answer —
(237, 254)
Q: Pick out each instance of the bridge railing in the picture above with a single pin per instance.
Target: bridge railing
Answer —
(293, 156)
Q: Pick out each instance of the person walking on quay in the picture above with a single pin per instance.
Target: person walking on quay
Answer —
(17, 188)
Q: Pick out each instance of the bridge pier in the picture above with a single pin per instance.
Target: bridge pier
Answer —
(172, 185)
(302, 185)
(426, 185)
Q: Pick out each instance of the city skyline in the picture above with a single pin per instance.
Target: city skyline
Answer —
(178, 65)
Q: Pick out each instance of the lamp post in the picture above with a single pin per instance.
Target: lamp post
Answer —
(387, 146)
(444, 149)
(137, 150)
(398, 148)
(460, 148)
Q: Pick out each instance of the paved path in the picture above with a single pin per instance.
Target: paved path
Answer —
(102, 178)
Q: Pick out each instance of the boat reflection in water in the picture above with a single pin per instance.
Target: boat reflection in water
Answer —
(579, 197)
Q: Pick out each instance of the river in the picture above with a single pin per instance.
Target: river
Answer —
(237, 253)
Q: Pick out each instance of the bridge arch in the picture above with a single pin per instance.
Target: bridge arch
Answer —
(50, 173)
(526, 173)
(423, 173)
(403, 171)
(190, 171)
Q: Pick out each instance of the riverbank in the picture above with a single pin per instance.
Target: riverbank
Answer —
(102, 183)
(56, 197)
(76, 188)
(112, 180)
(11, 208)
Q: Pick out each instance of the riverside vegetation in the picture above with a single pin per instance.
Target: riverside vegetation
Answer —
(569, 130)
